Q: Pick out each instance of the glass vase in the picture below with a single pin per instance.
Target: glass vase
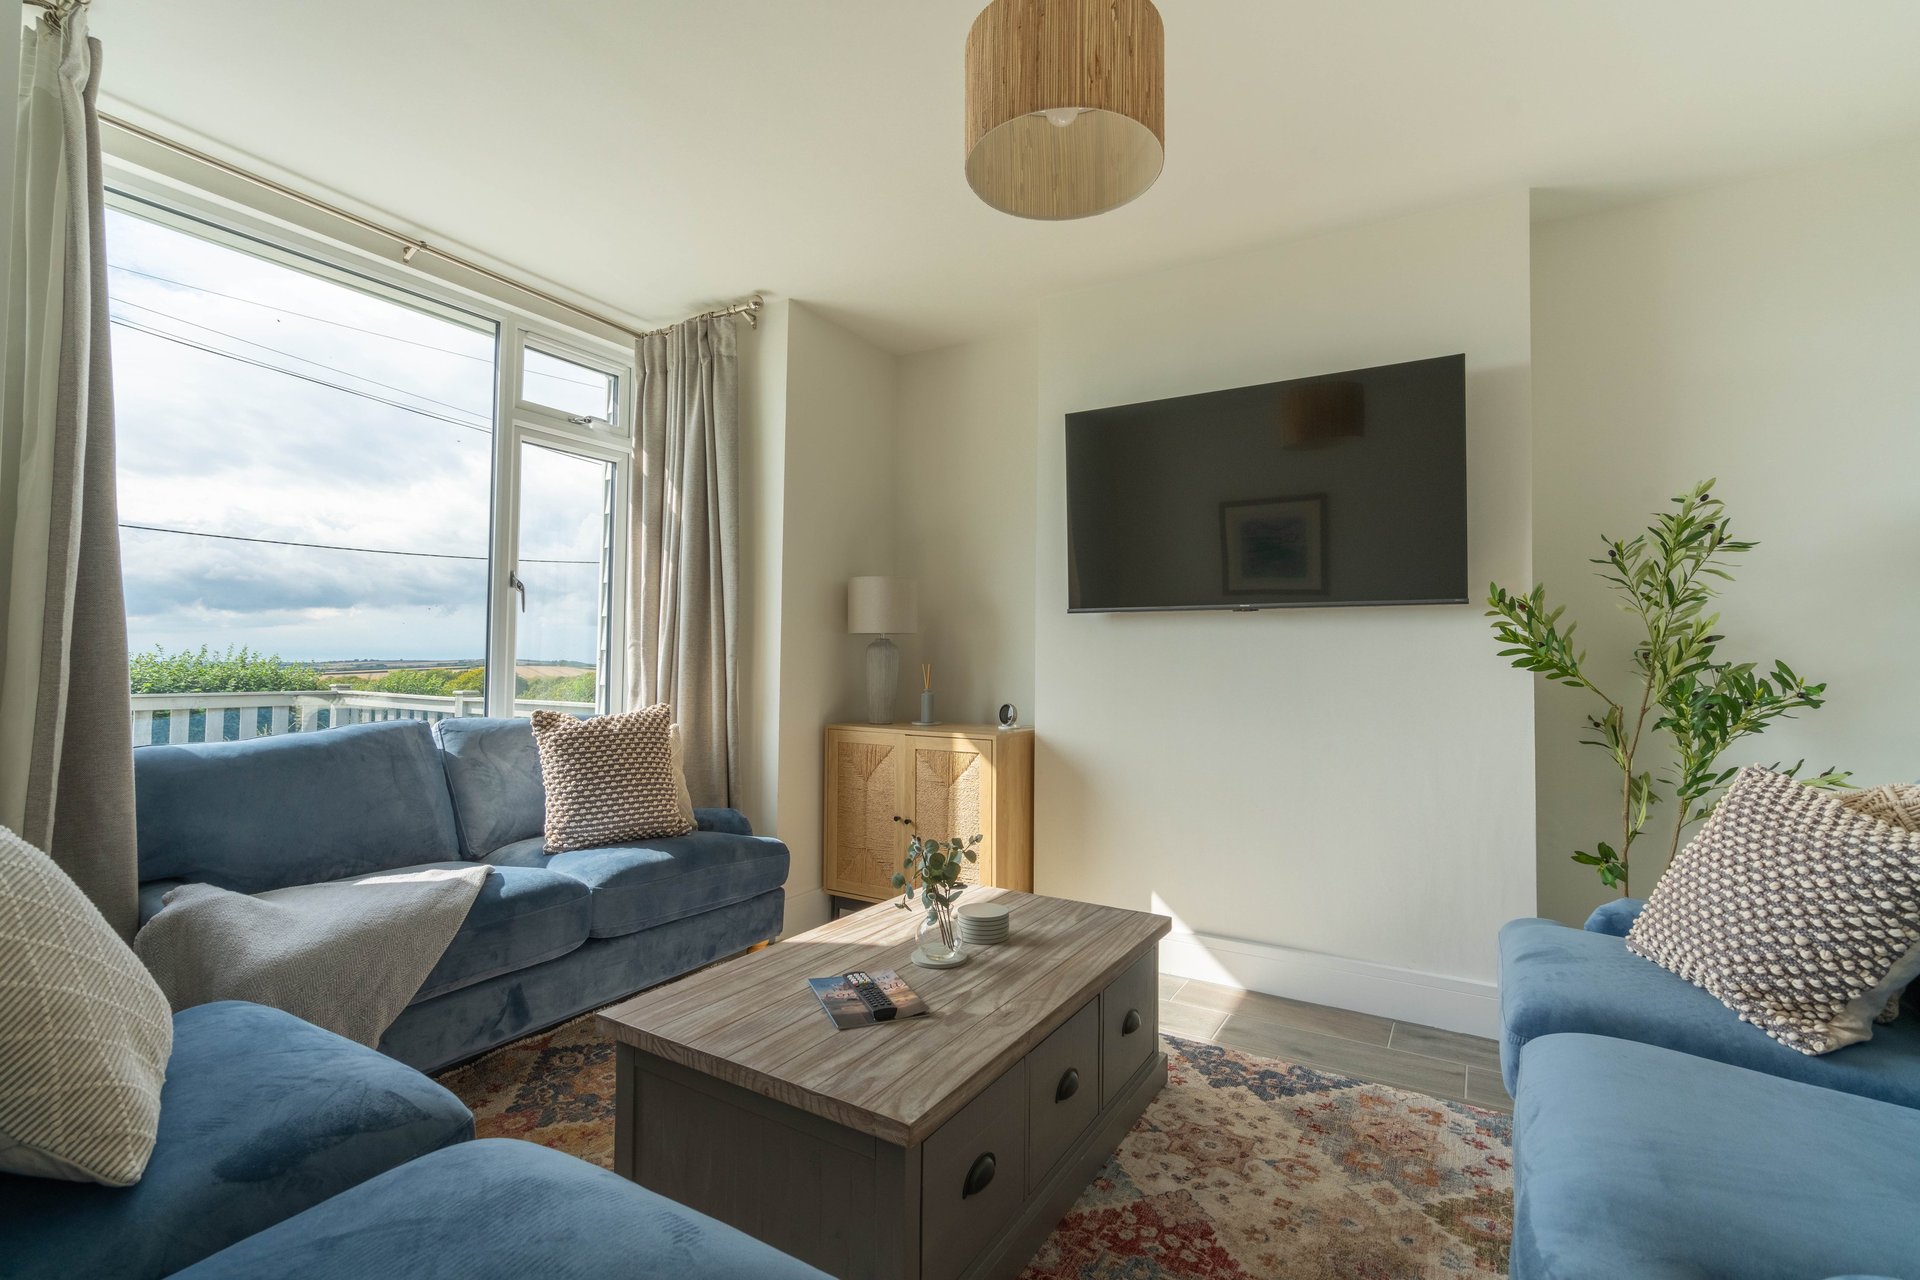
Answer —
(939, 939)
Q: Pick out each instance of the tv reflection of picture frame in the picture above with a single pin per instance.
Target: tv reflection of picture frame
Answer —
(1275, 546)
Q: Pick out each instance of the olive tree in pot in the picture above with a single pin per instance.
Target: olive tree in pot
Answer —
(1666, 577)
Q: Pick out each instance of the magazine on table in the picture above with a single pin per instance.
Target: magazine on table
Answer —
(860, 999)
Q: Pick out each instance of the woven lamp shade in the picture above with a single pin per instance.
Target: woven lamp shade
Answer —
(1066, 108)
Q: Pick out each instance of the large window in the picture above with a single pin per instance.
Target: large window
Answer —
(345, 498)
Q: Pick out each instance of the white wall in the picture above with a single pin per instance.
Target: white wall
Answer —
(1341, 804)
(1353, 783)
(965, 483)
(1768, 333)
(837, 520)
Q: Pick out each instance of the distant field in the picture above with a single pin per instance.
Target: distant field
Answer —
(373, 670)
(537, 672)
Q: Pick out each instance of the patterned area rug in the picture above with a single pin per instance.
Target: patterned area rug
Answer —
(1243, 1167)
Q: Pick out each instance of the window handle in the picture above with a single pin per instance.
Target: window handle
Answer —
(513, 580)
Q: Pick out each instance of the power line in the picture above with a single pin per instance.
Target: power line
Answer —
(255, 302)
(394, 337)
(330, 368)
(137, 327)
(329, 546)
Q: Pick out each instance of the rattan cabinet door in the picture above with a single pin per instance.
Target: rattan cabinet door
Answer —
(866, 801)
(950, 780)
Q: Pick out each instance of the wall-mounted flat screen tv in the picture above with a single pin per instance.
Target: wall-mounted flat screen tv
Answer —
(1344, 489)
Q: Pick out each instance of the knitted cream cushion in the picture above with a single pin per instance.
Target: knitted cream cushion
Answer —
(84, 1032)
(609, 779)
(1796, 912)
(1898, 804)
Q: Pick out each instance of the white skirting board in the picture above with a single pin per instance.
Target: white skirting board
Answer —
(1406, 995)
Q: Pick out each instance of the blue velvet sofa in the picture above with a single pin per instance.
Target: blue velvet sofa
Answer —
(285, 1150)
(1658, 1136)
(547, 938)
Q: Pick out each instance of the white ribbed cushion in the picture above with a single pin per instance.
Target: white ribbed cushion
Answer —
(84, 1032)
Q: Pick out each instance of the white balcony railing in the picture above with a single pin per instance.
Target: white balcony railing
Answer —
(230, 717)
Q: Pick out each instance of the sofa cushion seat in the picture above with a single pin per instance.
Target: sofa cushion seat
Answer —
(521, 917)
(262, 1115)
(1554, 979)
(500, 1209)
(1632, 1160)
(637, 886)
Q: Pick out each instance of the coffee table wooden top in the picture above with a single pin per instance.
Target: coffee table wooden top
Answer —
(753, 1022)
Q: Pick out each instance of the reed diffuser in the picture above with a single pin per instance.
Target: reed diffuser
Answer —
(926, 696)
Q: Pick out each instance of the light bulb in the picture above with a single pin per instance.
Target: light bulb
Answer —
(1061, 117)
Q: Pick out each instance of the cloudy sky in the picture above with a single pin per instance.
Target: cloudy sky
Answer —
(260, 402)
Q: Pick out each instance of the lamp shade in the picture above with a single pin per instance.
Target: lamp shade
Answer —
(882, 606)
(1065, 105)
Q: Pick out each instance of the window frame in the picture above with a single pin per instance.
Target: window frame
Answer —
(558, 348)
(335, 250)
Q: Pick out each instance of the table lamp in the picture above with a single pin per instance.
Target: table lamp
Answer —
(882, 607)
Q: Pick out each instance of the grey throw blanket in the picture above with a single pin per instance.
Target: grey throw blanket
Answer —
(347, 955)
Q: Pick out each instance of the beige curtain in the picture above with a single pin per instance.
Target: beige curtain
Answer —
(66, 766)
(686, 534)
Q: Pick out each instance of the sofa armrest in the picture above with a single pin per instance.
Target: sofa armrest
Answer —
(1615, 917)
(262, 1116)
(728, 821)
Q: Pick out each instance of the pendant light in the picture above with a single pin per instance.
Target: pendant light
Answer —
(1065, 105)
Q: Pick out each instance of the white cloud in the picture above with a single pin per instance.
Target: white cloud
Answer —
(210, 444)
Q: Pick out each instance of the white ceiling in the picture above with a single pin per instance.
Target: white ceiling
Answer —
(661, 156)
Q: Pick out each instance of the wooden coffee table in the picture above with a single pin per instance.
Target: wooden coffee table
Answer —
(934, 1148)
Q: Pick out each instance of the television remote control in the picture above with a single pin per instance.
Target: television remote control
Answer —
(871, 995)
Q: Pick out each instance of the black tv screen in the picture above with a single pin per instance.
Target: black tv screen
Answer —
(1344, 489)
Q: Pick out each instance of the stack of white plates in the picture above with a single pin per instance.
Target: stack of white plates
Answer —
(982, 924)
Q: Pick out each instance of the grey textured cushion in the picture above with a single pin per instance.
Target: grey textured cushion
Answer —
(1796, 912)
(84, 1032)
(609, 779)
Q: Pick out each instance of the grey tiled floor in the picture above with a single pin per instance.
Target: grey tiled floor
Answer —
(1427, 1060)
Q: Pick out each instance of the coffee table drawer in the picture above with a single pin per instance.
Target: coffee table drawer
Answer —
(1063, 1090)
(1129, 1024)
(973, 1176)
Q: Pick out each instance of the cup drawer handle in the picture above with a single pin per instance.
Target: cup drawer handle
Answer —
(1130, 1023)
(1068, 1086)
(978, 1176)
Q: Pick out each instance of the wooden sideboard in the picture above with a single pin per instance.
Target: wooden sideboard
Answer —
(886, 783)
